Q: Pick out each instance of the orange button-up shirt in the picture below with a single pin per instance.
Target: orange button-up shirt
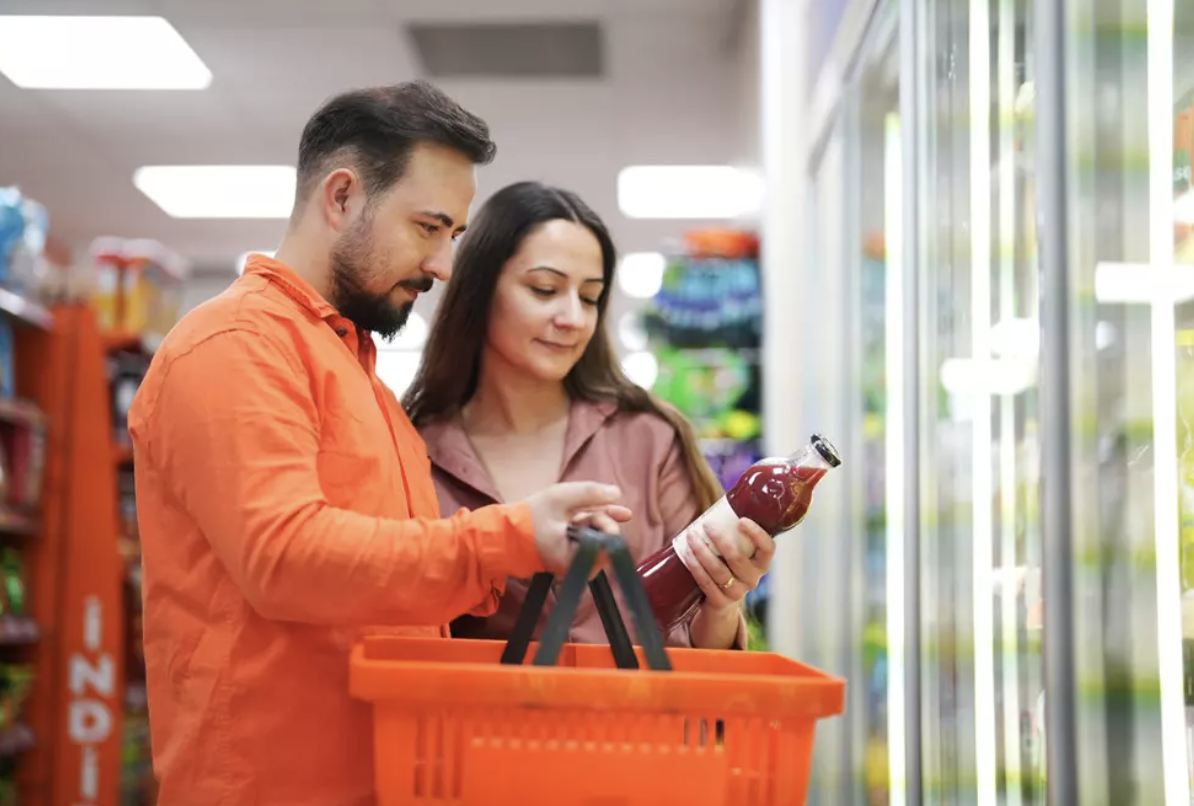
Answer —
(286, 505)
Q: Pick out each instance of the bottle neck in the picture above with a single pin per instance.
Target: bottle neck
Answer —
(813, 461)
(810, 458)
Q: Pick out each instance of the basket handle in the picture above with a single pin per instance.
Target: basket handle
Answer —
(592, 543)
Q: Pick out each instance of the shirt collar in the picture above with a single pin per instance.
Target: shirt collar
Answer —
(296, 287)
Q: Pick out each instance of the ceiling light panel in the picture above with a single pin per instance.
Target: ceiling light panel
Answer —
(219, 191)
(688, 191)
(98, 53)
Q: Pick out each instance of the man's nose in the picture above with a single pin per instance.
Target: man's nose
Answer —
(439, 263)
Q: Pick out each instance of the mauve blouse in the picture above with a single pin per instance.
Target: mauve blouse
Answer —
(639, 452)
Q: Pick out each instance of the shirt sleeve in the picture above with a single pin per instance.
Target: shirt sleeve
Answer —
(679, 507)
(234, 435)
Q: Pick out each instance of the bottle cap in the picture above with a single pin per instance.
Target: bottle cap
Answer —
(827, 451)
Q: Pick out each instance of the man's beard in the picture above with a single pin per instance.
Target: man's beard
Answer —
(352, 263)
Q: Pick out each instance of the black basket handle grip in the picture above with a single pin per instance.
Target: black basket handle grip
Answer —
(591, 544)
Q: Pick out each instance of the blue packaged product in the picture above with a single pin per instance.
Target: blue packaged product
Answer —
(24, 226)
(8, 383)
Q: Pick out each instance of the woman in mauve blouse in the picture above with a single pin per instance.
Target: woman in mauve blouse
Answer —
(519, 388)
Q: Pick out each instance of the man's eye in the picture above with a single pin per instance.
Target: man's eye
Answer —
(431, 228)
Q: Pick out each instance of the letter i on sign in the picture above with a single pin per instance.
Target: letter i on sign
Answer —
(93, 625)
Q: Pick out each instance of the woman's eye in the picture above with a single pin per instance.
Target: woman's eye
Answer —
(543, 292)
(592, 303)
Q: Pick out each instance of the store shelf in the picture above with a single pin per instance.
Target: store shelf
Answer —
(122, 455)
(136, 697)
(16, 740)
(21, 413)
(717, 354)
(16, 523)
(25, 311)
(18, 631)
(122, 340)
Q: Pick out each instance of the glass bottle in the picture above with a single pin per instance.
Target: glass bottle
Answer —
(774, 492)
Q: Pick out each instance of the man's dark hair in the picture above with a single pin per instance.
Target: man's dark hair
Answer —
(375, 130)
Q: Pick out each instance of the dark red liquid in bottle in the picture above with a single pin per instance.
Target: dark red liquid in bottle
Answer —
(775, 493)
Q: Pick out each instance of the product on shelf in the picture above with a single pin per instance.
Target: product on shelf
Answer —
(137, 786)
(1183, 178)
(136, 286)
(775, 493)
(15, 625)
(127, 490)
(24, 226)
(729, 458)
(706, 302)
(107, 258)
(152, 288)
(1185, 411)
(721, 242)
(22, 463)
(12, 567)
(705, 384)
(15, 682)
(126, 370)
(24, 455)
(8, 383)
(4, 473)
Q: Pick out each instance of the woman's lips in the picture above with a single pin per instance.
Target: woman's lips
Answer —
(551, 345)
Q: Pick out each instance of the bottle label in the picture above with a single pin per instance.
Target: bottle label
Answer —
(720, 515)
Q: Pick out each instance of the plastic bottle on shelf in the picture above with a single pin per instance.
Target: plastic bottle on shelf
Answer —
(774, 492)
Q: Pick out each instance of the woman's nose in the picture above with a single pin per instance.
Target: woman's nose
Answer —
(571, 312)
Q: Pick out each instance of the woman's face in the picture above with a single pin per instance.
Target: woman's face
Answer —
(544, 311)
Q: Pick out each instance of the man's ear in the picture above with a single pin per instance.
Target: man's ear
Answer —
(341, 190)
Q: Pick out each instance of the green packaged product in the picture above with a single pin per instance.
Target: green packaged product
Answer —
(1185, 447)
(14, 581)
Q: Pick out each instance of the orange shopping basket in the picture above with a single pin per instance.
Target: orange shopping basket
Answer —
(475, 723)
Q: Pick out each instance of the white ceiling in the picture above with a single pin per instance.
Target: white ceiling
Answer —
(669, 96)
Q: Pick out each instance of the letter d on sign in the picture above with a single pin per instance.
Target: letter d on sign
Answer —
(90, 721)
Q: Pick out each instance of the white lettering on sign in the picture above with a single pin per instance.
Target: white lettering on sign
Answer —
(89, 785)
(90, 722)
(93, 625)
(101, 677)
(92, 683)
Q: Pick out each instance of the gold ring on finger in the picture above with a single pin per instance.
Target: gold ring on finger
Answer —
(729, 584)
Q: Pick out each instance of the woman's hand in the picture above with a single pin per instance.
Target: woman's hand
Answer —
(726, 580)
(614, 512)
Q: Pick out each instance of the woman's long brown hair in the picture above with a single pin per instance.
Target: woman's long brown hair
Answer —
(447, 376)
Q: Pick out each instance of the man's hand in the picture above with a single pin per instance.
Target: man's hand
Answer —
(563, 505)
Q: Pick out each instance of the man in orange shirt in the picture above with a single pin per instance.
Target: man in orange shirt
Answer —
(285, 501)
